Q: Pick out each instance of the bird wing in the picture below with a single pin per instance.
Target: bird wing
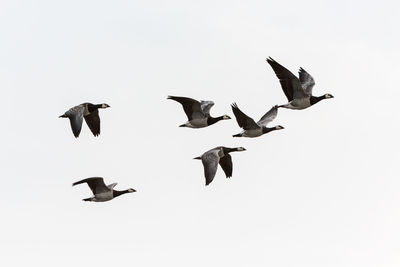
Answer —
(206, 106)
(93, 121)
(96, 184)
(75, 116)
(307, 81)
(289, 82)
(242, 119)
(111, 186)
(191, 107)
(269, 116)
(210, 161)
(226, 164)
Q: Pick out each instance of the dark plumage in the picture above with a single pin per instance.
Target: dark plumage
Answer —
(250, 127)
(219, 155)
(101, 191)
(198, 113)
(88, 111)
(298, 91)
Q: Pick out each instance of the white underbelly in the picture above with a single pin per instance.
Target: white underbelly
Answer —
(197, 123)
(252, 133)
(299, 103)
(101, 197)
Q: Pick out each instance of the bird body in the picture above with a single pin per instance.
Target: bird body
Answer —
(251, 133)
(250, 127)
(197, 112)
(101, 191)
(300, 103)
(298, 91)
(102, 197)
(196, 123)
(213, 157)
(88, 111)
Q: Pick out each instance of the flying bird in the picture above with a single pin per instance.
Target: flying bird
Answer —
(88, 111)
(297, 90)
(198, 113)
(252, 128)
(219, 155)
(101, 191)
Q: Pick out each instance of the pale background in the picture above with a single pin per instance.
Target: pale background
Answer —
(322, 192)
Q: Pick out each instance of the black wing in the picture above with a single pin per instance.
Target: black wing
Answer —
(191, 106)
(93, 121)
(243, 120)
(226, 164)
(96, 184)
(289, 82)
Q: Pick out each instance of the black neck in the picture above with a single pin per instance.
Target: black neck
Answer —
(117, 193)
(316, 99)
(92, 107)
(229, 150)
(212, 120)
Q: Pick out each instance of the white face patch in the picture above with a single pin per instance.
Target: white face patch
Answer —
(104, 105)
(241, 149)
(226, 117)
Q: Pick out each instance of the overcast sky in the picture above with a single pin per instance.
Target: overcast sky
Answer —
(322, 192)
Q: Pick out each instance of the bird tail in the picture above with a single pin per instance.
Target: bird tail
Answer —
(182, 125)
(87, 199)
(197, 158)
(237, 135)
(62, 116)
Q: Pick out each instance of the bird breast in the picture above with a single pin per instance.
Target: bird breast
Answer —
(253, 133)
(105, 196)
(301, 103)
(197, 123)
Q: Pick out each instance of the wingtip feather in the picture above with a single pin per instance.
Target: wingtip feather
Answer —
(270, 59)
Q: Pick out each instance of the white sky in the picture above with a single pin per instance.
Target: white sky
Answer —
(322, 192)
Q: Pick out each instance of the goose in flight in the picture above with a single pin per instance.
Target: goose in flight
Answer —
(297, 90)
(252, 128)
(198, 113)
(101, 191)
(219, 155)
(88, 111)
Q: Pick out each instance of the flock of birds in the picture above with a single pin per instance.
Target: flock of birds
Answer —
(298, 91)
